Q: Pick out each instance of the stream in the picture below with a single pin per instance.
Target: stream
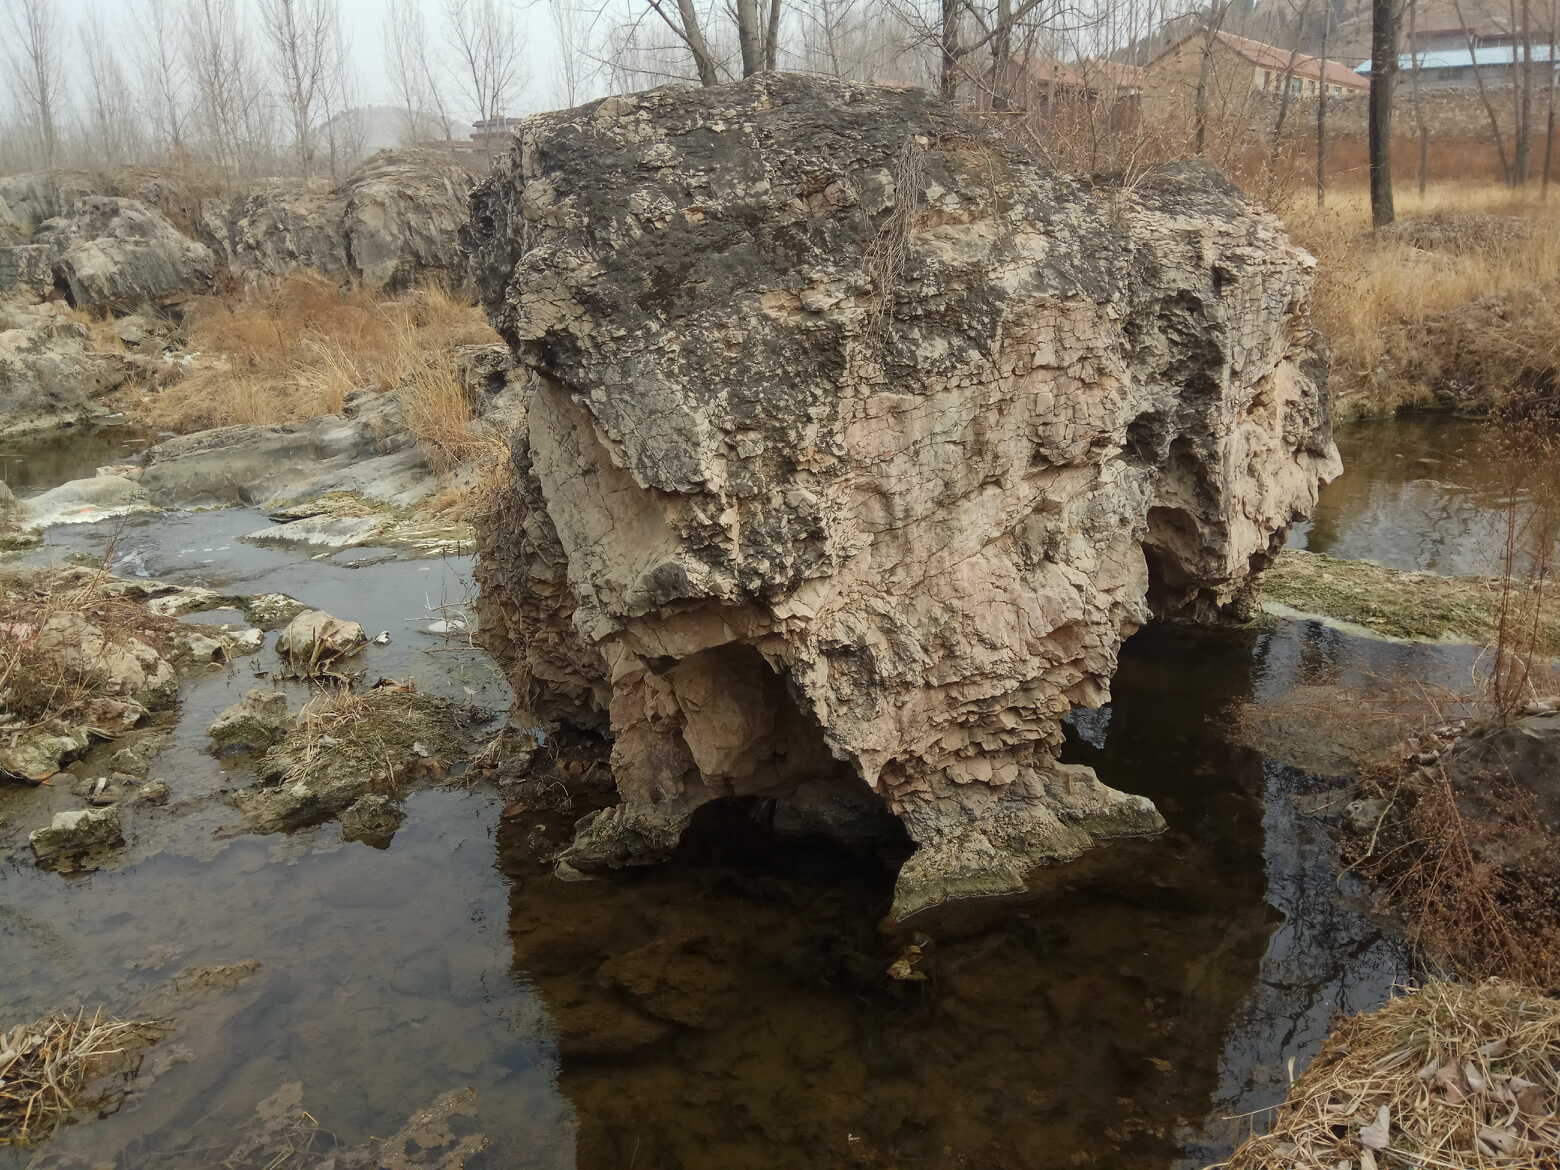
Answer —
(1126, 1012)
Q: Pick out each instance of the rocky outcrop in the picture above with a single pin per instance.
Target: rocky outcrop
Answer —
(859, 443)
(401, 215)
(392, 223)
(49, 374)
(111, 253)
(123, 238)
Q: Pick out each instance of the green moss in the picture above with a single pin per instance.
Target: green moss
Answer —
(1393, 603)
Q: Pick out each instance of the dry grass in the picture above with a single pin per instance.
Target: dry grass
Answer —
(36, 687)
(390, 733)
(1468, 866)
(55, 1067)
(1448, 1077)
(294, 350)
(1391, 309)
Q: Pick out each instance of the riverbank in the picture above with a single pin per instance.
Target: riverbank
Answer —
(1454, 307)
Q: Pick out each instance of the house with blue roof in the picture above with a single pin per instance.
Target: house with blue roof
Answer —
(1496, 65)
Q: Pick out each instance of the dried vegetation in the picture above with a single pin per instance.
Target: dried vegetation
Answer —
(295, 348)
(1449, 1077)
(37, 685)
(1456, 305)
(62, 1066)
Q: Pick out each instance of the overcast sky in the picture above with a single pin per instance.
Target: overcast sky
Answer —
(364, 23)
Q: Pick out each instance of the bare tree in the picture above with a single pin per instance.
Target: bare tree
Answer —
(1496, 133)
(301, 36)
(415, 73)
(344, 132)
(571, 31)
(688, 27)
(231, 115)
(1300, 14)
(164, 76)
(487, 47)
(1521, 91)
(1549, 116)
(1420, 124)
(33, 54)
(1383, 73)
(111, 126)
(1321, 111)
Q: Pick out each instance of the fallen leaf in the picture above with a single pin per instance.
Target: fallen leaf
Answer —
(1497, 1141)
(1378, 1133)
(1473, 1076)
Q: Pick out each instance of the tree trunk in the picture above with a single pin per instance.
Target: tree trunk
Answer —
(692, 34)
(1200, 96)
(1001, 54)
(1521, 96)
(1549, 118)
(1321, 117)
(948, 80)
(1419, 110)
(1383, 72)
(748, 35)
(772, 37)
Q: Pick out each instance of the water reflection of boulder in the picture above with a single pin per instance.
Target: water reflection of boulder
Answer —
(735, 1010)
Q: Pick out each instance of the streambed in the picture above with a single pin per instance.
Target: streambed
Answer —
(732, 1009)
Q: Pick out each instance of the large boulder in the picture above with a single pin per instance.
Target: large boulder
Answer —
(401, 214)
(49, 374)
(858, 445)
(109, 253)
(392, 222)
(280, 227)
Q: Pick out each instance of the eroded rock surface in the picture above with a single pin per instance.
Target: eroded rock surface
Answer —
(859, 443)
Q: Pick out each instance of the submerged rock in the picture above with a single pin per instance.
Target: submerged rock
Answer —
(345, 747)
(859, 443)
(254, 723)
(36, 755)
(372, 819)
(74, 839)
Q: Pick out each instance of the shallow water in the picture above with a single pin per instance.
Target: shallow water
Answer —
(36, 463)
(1416, 493)
(1121, 1011)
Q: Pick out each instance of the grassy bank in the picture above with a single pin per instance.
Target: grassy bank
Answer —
(1456, 305)
(1396, 604)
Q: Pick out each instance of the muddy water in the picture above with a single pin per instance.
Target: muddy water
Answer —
(731, 1010)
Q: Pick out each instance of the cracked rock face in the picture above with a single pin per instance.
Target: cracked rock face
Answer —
(857, 446)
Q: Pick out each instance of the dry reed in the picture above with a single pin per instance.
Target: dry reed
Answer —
(1448, 1077)
(54, 1067)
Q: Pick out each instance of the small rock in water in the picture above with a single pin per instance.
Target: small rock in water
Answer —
(382, 638)
(248, 641)
(199, 648)
(313, 640)
(252, 724)
(156, 792)
(445, 626)
(73, 838)
(372, 819)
